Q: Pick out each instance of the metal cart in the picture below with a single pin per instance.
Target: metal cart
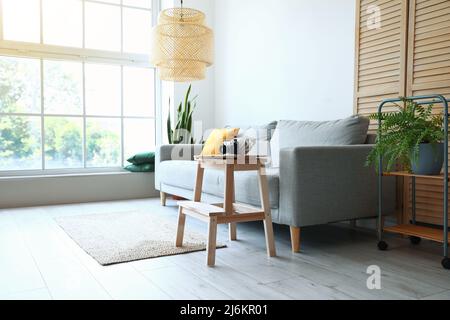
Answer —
(413, 230)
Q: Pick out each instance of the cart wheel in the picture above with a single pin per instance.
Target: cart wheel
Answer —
(382, 245)
(415, 240)
(446, 263)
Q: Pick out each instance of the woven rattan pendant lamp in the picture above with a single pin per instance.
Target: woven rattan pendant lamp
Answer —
(182, 45)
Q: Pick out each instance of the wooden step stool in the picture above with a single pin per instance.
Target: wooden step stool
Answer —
(228, 212)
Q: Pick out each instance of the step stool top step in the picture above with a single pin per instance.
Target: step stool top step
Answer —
(202, 208)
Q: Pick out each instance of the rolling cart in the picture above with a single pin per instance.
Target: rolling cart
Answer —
(413, 230)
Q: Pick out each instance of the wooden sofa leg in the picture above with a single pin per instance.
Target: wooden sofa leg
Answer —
(163, 197)
(295, 239)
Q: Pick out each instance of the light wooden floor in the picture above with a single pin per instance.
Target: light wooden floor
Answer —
(39, 261)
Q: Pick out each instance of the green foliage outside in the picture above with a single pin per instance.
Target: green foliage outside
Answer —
(63, 141)
(20, 136)
(103, 146)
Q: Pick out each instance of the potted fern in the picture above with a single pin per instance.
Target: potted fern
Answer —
(182, 131)
(411, 137)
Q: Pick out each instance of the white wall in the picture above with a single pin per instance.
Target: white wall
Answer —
(289, 59)
(272, 57)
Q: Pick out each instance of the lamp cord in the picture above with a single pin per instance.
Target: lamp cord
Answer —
(181, 12)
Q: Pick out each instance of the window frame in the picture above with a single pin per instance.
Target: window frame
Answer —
(43, 52)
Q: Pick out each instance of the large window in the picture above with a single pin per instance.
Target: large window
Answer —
(76, 87)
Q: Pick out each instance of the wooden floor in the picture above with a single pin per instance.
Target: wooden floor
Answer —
(39, 261)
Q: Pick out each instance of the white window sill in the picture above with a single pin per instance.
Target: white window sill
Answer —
(67, 175)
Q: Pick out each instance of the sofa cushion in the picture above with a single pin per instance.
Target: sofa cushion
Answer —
(291, 134)
(178, 173)
(181, 174)
(142, 158)
(259, 135)
(216, 139)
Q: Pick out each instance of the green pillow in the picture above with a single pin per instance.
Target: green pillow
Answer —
(141, 158)
(146, 167)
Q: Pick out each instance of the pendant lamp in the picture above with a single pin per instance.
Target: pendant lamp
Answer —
(182, 45)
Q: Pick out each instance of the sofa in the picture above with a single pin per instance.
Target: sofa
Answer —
(317, 174)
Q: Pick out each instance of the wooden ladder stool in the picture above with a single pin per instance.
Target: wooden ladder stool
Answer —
(228, 212)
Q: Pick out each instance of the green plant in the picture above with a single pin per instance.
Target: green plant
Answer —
(402, 132)
(182, 131)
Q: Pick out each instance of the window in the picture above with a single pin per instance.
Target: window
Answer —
(20, 24)
(76, 89)
(104, 35)
(63, 22)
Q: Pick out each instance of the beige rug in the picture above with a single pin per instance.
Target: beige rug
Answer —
(127, 236)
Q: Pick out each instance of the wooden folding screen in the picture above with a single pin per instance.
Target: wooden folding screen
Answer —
(402, 49)
(428, 72)
(380, 61)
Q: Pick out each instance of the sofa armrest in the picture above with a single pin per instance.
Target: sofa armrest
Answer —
(327, 184)
(168, 152)
(177, 152)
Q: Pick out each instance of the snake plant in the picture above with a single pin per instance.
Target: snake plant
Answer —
(182, 131)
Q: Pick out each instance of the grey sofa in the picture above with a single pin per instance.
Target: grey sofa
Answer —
(314, 184)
